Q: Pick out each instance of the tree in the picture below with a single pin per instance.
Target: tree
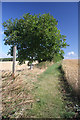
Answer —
(36, 37)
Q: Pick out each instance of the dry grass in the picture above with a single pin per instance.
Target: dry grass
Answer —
(16, 93)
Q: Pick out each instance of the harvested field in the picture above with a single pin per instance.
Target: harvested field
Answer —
(8, 65)
(16, 92)
(70, 67)
(6, 68)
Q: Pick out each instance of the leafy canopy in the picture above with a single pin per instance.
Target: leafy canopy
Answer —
(36, 37)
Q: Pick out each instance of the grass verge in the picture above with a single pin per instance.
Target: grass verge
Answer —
(48, 96)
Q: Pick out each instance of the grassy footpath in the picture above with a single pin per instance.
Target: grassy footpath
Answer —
(49, 101)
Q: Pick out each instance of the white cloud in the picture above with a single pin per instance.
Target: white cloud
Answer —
(71, 53)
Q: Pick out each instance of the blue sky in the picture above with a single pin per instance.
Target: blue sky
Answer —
(65, 12)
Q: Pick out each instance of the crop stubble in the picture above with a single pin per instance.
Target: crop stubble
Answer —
(70, 67)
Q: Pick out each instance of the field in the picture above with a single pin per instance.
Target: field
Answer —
(43, 92)
(7, 66)
(70, 68)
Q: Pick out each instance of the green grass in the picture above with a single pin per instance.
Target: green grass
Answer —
(49, 101)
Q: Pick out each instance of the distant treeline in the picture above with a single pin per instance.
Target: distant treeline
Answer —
(7, 59)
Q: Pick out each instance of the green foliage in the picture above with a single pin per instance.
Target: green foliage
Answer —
(6, 59)
(36, 37)
(57, 57)
(43, 64)
(68, 115)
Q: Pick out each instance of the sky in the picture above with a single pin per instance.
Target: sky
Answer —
(65, 12)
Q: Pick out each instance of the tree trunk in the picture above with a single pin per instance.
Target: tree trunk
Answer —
(31, 67)
(14, 61)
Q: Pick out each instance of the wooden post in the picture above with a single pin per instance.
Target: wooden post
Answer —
(14, 61)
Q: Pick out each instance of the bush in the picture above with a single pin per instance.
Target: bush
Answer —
(57, 57)
(43, 64)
